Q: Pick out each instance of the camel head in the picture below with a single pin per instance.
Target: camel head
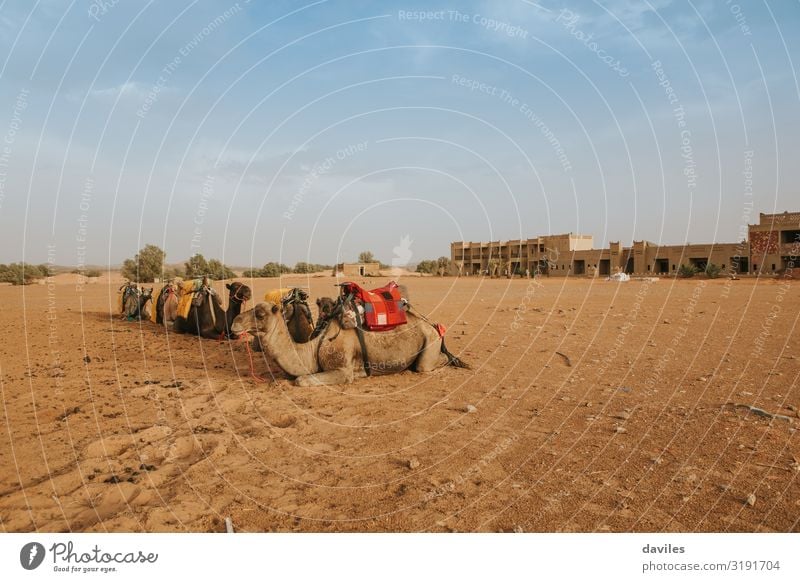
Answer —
(239, 292)
(263, 318)
(326, 305)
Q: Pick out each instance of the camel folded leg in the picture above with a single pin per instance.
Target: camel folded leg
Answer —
(330, 378)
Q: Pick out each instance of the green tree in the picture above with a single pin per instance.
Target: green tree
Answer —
(427, 266)
(687, 271)
(302, 267)
(366, 257)
(443, 266)
(197, 266)
(146, 266)
(220, 271)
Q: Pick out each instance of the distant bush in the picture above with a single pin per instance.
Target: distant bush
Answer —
(440, 266)
(22, 273)
(269, 270)
(197, 266)
(713, 271)
(687, 271)
(427, 266)
(303, 268)
(85, 272)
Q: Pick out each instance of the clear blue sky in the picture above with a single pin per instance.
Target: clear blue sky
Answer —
(258, 131)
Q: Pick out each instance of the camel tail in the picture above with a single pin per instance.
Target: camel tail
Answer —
(453, 360)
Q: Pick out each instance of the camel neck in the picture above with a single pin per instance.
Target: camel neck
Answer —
(293, 358)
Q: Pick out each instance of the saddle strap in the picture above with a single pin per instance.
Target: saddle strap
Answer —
(211, 307)
(360, 335)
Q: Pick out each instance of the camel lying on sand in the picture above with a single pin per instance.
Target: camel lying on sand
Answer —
(135, 301)
(335, 357)
(209, 319)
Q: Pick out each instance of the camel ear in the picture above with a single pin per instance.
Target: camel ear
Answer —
(275, 309)
(319, 302)
(228, 286)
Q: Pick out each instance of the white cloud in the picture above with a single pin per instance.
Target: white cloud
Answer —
(127, 89)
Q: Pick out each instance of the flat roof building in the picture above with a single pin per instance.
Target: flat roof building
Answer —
(773, 246)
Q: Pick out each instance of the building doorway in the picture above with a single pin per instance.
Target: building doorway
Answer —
(604, 267)
(790, 264)
(740, 265)
(544, 267)
(662, 266)
(579, 267)
(700, 264)
(629, 265)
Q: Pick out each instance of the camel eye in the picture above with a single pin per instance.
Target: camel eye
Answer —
(261, 313)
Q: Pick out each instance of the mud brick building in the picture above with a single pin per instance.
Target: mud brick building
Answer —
(773, 246)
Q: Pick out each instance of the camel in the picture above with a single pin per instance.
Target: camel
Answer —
(166, 304)
(134, 302)
(206, 317)
(325, 308)
(335, 357)
(298, 316)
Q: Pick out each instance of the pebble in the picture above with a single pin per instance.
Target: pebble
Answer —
(621, 429)
(413, 463)
(470, 409)
(751, 499)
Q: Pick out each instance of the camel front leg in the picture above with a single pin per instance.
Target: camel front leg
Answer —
(329, 378)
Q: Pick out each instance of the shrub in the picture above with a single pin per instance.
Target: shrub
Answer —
(713, 271)
(220, 271)
(146, 266)
(22, 273)
(274, 270)
(687, 271)
(427, 266)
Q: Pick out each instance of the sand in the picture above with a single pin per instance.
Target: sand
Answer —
(590, 406)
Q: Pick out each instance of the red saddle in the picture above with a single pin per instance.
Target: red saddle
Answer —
(383, 307)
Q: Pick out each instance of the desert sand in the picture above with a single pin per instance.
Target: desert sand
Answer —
(590, 406)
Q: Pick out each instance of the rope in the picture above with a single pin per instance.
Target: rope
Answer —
(245, 337)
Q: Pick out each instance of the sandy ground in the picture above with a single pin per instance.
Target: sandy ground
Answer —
(110, 425)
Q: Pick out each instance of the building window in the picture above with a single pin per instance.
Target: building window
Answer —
(773, 266)
(673, 267)
(648, 267)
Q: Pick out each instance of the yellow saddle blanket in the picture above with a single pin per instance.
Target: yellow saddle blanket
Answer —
(185, 304)
(277, 295)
